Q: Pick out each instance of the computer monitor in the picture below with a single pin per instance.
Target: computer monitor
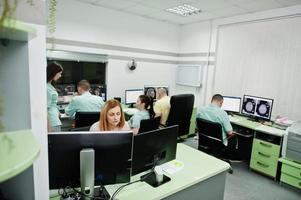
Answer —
(257, 107)
(132, 95)
(83, 119)
(99, 90)
(66, 92)
(70, 160)
(231, 104)
(154, 148)
(151, 90)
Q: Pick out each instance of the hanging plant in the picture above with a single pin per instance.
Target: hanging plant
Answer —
(52, 16)
(7, 10)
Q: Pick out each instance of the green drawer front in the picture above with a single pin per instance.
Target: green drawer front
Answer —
(267, 158)
(263, 167)
(266, 147)
(290, 180)
(290, 170)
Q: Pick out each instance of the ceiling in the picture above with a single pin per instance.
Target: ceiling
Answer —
(211, 9)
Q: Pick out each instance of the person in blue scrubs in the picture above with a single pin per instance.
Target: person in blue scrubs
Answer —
(145, 106)
(85, 102)
(54, 72)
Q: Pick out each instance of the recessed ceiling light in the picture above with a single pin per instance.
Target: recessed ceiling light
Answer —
(184, 10)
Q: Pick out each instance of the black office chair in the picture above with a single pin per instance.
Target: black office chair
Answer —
(181, 107)
(83, 119)
(149, 124)
(211, 139)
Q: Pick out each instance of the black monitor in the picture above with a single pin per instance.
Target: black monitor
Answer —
(99, 90)
(151, 90)
(259, 108)
(111, 163)
(231, 104)
(66, 92)
(83, 119)
(154, 148)
(132, 95)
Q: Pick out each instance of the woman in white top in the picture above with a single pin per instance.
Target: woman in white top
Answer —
(111, 118)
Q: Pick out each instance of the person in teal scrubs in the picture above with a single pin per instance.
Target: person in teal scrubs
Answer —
(214, 113)
(85, 102)
(54, 72)
(145, 106)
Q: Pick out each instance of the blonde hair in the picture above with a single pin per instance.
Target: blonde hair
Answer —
(103, 122)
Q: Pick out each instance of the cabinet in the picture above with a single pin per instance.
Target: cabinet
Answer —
(18, 146)
(290, 172)
(265, 153)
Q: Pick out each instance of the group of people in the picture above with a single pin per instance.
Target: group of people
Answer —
(112, 117)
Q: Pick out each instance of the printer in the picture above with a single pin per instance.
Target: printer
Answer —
(291, 148)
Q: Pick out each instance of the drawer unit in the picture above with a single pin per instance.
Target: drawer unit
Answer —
(290, 172)
(290, 180)
(263, 167)
(264, 157)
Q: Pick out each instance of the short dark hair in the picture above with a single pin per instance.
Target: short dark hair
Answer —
(52, 69)
(217, 97)
(84, 84)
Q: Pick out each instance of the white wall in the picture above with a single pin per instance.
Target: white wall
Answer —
(206, 30)
(90, 24)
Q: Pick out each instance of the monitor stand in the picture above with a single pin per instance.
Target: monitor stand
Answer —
(87, 174)
(150, 178)
(132, 105)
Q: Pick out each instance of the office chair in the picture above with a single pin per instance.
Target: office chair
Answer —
(211, 139)
(83, 119)
(149, 124)
(181, 107)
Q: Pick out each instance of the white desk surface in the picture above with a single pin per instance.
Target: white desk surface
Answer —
(243, 121)
(198, 167)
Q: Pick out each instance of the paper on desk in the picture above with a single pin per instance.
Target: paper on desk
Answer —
(172, 166)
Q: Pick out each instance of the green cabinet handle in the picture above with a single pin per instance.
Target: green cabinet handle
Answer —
(265, 155)
(264, 165)
(264, 144)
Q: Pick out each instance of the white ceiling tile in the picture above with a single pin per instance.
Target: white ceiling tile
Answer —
(259, 5)
(211, 5)
(141, 10)
(229, 11)
(114, 4)
(161, 4)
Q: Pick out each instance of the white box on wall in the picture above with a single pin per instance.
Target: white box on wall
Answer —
(190, 75)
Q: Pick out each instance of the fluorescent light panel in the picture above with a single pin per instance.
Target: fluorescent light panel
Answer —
(184, 10)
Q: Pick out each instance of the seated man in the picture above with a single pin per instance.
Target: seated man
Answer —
(214, 113)
(85, 102)
(162, 105)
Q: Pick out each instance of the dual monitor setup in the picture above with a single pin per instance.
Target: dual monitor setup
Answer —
(131, 95)
(87, 159)
(258, 108)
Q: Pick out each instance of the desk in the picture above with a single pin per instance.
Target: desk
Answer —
(203, 177)
(263, 146)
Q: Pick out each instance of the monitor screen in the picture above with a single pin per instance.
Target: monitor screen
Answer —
(132, 95)
(231, 104)
(258, 107)
(112, 157)
(99, 90)
(151, 90)
(154, 148)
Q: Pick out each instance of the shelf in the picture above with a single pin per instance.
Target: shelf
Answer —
(16, 30)
(18, 151)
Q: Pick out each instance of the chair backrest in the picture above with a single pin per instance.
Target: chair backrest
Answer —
(210, 136)
(83, 119)
(181, 107)
(210, 129)
(149, 124)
